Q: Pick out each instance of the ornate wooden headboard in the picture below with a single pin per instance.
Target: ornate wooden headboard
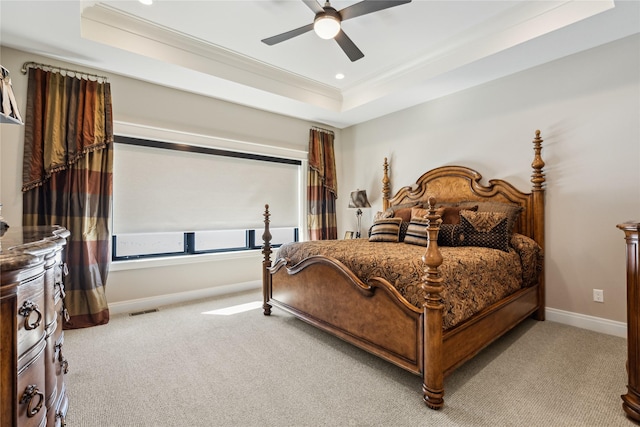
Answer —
(457, 183)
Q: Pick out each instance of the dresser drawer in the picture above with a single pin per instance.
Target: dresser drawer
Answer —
(31, 398)
(30, 314)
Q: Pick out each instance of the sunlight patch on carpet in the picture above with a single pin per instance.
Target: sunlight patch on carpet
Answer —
(227, 311)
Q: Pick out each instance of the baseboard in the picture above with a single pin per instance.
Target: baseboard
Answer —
(597, 324)
(149, 303)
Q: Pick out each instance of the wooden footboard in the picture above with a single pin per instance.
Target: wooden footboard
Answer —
(372, 316)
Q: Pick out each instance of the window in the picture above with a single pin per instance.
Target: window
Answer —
(177, 199)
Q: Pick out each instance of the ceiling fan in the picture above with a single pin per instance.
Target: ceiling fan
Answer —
(327, 23)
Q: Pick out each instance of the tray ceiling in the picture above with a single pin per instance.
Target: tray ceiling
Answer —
(413, 53)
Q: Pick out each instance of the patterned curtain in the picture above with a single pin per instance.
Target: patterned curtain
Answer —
(322, 190)
(67, 180)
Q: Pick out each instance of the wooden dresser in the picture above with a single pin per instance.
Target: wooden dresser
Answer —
(631, 400)
(32, 365)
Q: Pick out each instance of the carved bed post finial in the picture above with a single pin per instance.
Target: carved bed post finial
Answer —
(433, 377)
(266, 263)
(386, 188)
(538, 190)
(537, 179)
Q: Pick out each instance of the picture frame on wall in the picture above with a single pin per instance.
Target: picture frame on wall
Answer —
(349, 235)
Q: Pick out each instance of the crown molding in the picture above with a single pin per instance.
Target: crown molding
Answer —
(241, 79)
(109, 26)
(520, 24)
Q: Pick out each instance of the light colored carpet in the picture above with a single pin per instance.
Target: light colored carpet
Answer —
(181, 367)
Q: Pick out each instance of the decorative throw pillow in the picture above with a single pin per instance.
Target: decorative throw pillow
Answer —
(449, 235)
(417, 232)
(451, 214)
(386, 230)
(380, 215)
(510, 209)
(391, 210)
(484, 229)
(403, 229)
(448, 214)
(419, 213)
(404, 213)
(404, 225)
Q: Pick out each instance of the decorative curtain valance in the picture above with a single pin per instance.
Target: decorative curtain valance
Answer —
(69, 117)
(322, 158)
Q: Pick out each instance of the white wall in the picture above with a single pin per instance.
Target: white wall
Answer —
(588, 109)
(137, 285)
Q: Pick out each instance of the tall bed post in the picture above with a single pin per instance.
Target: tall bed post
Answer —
(266, 263)
(538, 181)
(433, 376)
(386, 187)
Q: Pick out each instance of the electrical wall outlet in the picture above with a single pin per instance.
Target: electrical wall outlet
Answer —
(598, 295)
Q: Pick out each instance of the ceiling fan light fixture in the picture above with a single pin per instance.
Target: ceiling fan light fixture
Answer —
(326, 26)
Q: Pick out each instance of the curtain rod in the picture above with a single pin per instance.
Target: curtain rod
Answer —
(322, 130)
(55, 68)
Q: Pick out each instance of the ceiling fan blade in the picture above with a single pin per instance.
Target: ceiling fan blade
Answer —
(365, 7)
(313, 5)
(349, 47)
(288, 35)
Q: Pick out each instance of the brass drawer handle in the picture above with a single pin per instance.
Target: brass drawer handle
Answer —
(64, 364)
(64, 271)
(58, 275)
(29, 393)
(60, 285)
(63, 421)
(27, 308)
(65, 314)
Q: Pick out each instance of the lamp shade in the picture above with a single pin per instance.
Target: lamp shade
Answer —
(8, 106)
(358, 199)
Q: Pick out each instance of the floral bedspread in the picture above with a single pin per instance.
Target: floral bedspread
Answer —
(474, 277)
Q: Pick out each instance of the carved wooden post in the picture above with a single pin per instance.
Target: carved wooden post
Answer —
(433, 378)
(631, 400)
(266, 264)
(538, 181)
(386, 188)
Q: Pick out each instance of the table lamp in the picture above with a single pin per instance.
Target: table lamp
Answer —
(358, 199)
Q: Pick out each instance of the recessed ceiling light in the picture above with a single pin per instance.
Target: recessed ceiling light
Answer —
(339, 76)
(146, 2)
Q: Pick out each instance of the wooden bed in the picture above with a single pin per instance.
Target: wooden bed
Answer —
(375, 317)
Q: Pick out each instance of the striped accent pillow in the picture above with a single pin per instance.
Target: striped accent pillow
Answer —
(417, 232)
(386, 230)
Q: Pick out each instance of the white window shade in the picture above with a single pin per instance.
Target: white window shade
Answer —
(161, 190)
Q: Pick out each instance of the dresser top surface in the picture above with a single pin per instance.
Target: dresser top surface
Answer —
(24, 246)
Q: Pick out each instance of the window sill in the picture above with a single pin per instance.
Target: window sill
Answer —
(135, 264)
